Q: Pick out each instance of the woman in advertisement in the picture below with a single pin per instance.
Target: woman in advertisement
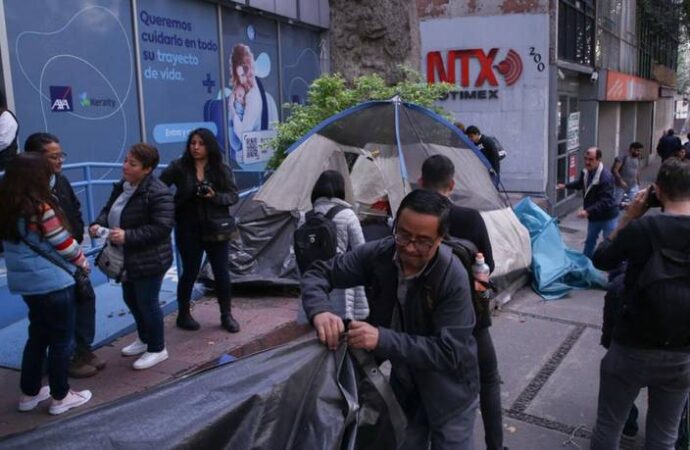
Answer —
(205, 188)
(250, 107)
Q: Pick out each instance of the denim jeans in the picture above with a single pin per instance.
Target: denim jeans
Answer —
(51, 327)
(192, 249)
(85, 328)
(489, 390)
(141, 297)
(626, 370)
(594, 227)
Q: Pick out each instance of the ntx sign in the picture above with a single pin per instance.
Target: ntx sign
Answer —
(474, 71)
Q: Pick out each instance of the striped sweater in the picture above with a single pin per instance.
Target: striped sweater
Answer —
(57, 235)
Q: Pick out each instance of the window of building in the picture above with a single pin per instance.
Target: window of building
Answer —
(658, 26)
(576, 29)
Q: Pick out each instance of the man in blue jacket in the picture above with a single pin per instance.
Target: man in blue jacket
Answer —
(599, 204)
(423, 328)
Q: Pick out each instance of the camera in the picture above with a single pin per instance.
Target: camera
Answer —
(652, 199)
(203, 188)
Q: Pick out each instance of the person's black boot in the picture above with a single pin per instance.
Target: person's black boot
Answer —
(185, 319)
(226, 320)
(631, 428)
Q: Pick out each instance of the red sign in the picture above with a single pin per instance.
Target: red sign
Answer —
(621, 87)
(438, 71)
(572, 168)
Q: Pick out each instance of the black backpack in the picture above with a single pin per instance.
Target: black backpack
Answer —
(465, 251)
(317, 238)
(499, 147)
(661, 295)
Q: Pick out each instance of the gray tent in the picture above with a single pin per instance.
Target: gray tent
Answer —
(390, 139)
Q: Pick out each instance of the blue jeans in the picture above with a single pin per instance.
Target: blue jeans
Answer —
(141, 297)
(51, 327)
(594, 227)
(85, 328)
(192, 248)
(626, 370)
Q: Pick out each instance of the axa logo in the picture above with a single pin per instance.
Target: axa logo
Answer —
(476, 67)
(86, 101)
(61, 98)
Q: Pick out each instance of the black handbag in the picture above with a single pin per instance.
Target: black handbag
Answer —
(83, 289)
(220, 229)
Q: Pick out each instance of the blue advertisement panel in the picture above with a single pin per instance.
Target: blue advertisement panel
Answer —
(180, 69)
(84, 94)
(73, 75)
(300, 56)
(252, 91)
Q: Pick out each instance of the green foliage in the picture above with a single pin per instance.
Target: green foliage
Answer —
(331, 94)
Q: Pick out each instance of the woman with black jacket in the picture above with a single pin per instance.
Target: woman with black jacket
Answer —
(140, 217)
(205, 189)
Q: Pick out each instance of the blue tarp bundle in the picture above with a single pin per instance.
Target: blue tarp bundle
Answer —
(556, 269)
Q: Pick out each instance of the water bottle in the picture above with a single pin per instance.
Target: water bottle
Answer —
(101, 235)
(481, 271)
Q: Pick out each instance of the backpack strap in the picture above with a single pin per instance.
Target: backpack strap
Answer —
(334, 211)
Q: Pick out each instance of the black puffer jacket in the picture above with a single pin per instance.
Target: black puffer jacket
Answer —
(69, 204)
(148, 219)
(192, 210)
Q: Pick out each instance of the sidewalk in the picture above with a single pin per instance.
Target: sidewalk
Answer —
(266, 322)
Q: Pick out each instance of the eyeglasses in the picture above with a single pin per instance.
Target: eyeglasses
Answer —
(58, 157)
(421, 245)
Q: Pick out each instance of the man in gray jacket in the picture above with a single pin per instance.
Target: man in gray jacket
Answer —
(423, 328)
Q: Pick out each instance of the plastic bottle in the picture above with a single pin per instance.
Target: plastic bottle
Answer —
(481, 272)
(101, 235)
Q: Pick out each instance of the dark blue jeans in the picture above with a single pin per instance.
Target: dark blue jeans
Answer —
(141, 297)
(192, 248)
(51, 327)
(85, 328)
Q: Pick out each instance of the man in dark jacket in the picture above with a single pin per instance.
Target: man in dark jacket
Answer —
(486, 145)
(651, 339)
(466, 223)
(424, 330)
(668, 144)
(599, 204)
(84, 362)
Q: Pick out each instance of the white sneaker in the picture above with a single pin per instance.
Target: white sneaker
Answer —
(135, 348)
(27, 403)
(71, 400)
(150, 359)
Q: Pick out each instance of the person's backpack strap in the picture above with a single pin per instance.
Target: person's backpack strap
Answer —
(334, 211)
(378, 381)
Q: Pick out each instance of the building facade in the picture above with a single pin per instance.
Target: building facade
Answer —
(105, 74)
(552, 78)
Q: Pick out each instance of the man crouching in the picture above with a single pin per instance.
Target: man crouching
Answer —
(424, 330)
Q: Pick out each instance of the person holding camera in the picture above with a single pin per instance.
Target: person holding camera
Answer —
(205, 189)
(651, 339)
(599, 205)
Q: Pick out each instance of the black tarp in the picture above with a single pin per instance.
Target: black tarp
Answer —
(298, 396)
(262, 252)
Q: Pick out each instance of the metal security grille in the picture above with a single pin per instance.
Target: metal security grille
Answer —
(576, 31)
(658, 22)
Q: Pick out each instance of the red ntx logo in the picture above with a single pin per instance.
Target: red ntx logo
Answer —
(436, 71)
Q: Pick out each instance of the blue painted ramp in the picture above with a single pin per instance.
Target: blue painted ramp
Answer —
(113, 318)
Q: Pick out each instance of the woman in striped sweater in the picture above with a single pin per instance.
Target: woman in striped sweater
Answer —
(28, 212)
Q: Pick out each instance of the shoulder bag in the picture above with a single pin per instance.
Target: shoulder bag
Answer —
(83, 289)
